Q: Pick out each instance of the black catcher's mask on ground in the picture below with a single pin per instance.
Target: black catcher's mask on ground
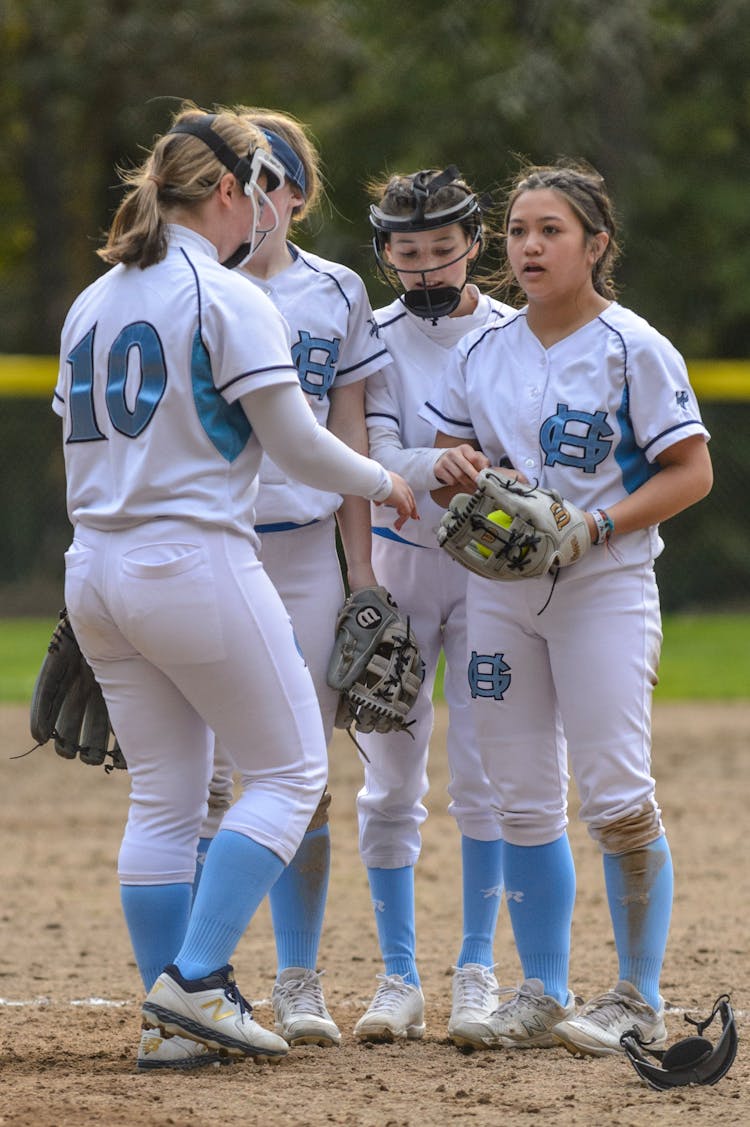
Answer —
(693, 1060)
(439, 301)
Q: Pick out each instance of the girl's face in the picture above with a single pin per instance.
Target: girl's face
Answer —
(285, 199)
(549, 251)
(438, 257)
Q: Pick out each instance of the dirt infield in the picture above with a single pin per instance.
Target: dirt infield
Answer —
(70, 993)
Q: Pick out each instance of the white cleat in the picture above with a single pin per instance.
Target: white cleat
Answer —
(210, 1010)
(156, 1051)
(526, 1021)
(475, 991)
(300, 1010)
(395, 1013)
(597, 1029)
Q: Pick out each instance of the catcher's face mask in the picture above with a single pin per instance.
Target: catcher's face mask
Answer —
(248, 171)
(693, 1060)
(426, 301)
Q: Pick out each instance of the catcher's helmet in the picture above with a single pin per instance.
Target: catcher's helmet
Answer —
(416, 195)
(694, 1060)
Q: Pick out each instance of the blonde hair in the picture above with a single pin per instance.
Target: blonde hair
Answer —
(586, 193)
(181, 171)
(298, 137)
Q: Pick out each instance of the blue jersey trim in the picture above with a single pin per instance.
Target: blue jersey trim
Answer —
(300, 257)
(225, 424)
(363, 363)
(389, 534)
(284, 526)
(493, 329)
(382, 415)
(257, 372)
(670, 430)
(634, 467)
(467, 424)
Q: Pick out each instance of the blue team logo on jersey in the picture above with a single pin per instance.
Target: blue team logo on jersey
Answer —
(315, 358)
(489, 675)
(583, 447)
(682, 399)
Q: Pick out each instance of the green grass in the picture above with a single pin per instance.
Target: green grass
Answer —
(704, 657)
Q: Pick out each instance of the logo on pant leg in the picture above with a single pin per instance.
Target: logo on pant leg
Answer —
(489, 675)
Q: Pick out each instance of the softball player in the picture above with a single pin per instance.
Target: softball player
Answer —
(335, 347)
(428, 235)
(584, 397)
(174, 375)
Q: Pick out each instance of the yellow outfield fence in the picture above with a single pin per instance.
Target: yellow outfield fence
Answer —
(717, 380)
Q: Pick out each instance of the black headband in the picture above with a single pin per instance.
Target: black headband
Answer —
(202, 128)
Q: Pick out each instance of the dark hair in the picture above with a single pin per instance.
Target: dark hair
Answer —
(585, 191)
(438, 193)
(397, 196)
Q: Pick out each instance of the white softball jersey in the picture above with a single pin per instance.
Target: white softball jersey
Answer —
(428, 586)
(181, 624)
(334, 343)
(587, 417)
(173, 448)
(400, 438)
(562, 670)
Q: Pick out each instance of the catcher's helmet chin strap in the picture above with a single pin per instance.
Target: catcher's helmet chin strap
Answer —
(693, 1060)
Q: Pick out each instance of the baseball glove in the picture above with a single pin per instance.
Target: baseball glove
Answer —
(509, 530)
(67, 704)
(375, 663)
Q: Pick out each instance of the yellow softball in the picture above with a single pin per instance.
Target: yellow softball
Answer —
(498, 517)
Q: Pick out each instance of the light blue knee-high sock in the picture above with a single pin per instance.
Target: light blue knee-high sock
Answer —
(482, 888)
(639, 891)
(237, 875)
(157, 918)
(540, 888)
(204, 845)
(393, 900)
(298, 901)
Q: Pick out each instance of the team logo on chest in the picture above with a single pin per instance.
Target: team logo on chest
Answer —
(315, 359)
(489, 675)
(576, 438)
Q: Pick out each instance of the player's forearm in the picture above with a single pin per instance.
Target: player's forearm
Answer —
(415, 464)
(289, 433)
(356, 537)
(684, 478)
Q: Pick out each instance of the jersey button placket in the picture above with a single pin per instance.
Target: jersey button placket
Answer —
(530, 423)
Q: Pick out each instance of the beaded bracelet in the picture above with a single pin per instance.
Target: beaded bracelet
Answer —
(605, 526)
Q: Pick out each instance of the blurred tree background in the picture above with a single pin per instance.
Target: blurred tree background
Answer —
(654, 93)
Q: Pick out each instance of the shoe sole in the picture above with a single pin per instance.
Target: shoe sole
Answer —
(596, 1049)
(384, 1035)
(466, 1045)
(310, 1037)
(468, 1041)
(170, 1022)
(548, 1041)
(210, 1060)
